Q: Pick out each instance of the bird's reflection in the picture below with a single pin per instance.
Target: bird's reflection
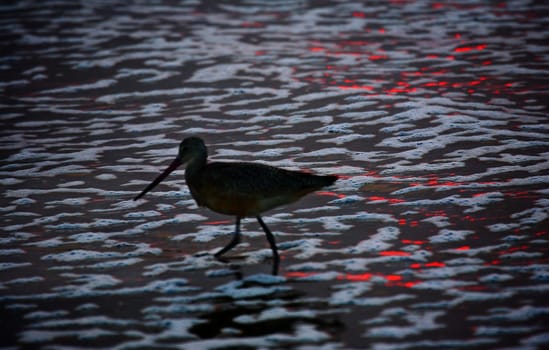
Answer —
(236, 267)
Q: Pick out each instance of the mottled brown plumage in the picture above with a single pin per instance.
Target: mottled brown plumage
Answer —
(240, 189)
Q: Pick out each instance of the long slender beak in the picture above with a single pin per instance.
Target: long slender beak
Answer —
(175, 164)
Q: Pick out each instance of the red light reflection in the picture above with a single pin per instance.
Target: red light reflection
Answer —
(316, 49)
(391, 280)
(431, 264)
(219, 222)
(298, 274)
(407, 241)
(394, 253)
(384, 199)
(470, 48)
(356, 87)
(331, 194)
(355, 277)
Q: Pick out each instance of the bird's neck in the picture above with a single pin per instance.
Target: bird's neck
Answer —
(195, 167)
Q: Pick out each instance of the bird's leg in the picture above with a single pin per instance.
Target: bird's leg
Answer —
(272, 242)
(233, 242)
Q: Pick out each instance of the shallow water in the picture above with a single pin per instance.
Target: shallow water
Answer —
(434, 115)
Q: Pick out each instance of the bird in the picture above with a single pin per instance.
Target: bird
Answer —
(240, 189)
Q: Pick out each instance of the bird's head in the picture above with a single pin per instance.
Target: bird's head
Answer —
(189, 149)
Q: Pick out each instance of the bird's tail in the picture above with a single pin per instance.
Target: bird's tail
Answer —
(329, 179)
(319, 181)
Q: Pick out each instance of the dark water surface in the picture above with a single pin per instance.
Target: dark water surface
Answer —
(434, 114)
